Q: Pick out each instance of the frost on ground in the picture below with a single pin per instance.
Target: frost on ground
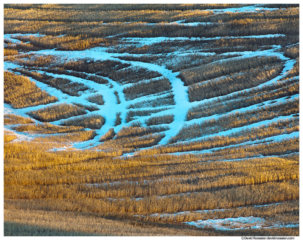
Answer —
(239, 223)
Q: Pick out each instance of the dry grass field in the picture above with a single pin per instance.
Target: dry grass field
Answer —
(151, 120)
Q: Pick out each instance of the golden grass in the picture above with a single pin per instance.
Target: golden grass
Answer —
(108, 135)
(235, 82)
(81, 15)
(46, 128)
(57, 112)
(79, 22)
(275, 212)
(237, 119)
(246, 181)
(20, 92)
(53, 180)
(36, 155)
(93, 121)
(78, 136)
(11, 119)
(65, 42)
(215, 70)
(138, 131)
(130, 143)
(9, 136)
(256, 27)
(249, 134)
(244, 99)
(245, 16)
(10, 52)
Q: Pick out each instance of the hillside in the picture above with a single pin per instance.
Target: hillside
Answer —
(177, 116)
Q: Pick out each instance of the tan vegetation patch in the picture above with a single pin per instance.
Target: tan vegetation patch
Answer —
(9, 136)
(93, 121)
(56, 22)
(138, 131)
(46, 128)
(87, 107)
(160, 180)
(130, 143)
(11, 119)
(20, 92)
(84, 44)
(35, 155)
(244, 17)
(66, 42)
(244, 99)
(266, 211)
(108, 135)
(237, 119)
(292, 52)
(63, 84)
(215, 70)
(256, 27)
(10, 52)
(97, 98)
(218, 178)
(146, 88)
(233, 83)
(165, 119)
(219, 46)
(249, 134)
(63, 14)
(36, 60)
(57, 112)
(78, 136)
(129, 7)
